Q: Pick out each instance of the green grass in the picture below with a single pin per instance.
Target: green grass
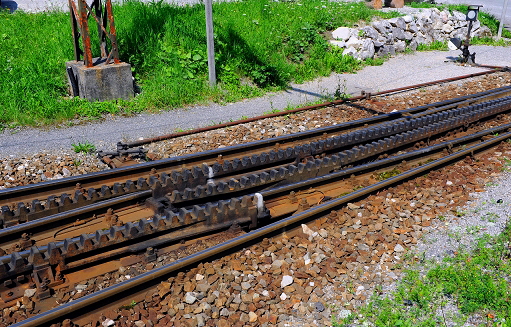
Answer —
(261, 46)
(473, 282)
(86, 147)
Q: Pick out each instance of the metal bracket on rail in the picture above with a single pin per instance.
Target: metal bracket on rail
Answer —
(124, 156)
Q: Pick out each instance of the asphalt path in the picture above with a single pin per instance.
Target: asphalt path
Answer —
(399, 71)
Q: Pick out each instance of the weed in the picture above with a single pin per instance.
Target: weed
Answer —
(84, 147)
(455, 235)
(131, 305)
(441, 218)
(77, 162)
(473, 229)
(388, 174)
(490, 184)
(273, 111)
(491, 217)
(460, 213)
(475, 282)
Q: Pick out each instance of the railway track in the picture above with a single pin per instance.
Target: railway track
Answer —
(263, 186)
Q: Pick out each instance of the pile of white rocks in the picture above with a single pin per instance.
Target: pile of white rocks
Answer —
(386, 37)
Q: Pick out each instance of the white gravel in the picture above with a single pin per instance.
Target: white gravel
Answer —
(488, 213)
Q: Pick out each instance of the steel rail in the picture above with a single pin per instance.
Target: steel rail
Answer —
(317, 106)
(71, 213)
(88, 300)
(274, 192)
(67, 214)
(174, 162)
(383, 162)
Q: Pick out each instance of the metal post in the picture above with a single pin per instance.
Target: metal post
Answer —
(502, 18)
(98, 9)
(74, 29)
(84, 28)
(113, 34)
(210, 43)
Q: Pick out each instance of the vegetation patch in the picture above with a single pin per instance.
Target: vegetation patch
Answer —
(261, 46)
(86, 147)
(469, 285)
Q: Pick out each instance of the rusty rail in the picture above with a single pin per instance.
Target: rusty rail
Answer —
(322, 105)
(65, 310)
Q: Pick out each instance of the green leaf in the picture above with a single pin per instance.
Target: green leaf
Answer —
(197, 57)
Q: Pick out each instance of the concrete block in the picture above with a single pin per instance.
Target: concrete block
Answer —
(102, 82)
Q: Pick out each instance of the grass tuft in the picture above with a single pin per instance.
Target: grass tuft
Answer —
(84, 147)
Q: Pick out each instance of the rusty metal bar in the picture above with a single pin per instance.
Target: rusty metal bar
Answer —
(287, 112)
(88, 300)
(101, 21)
(84, 28)
(113, 34)
(104, 19)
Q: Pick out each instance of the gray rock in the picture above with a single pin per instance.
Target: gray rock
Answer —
(80, 287)
(447, 28)
(363, 247)
(286, 280)
(382, 26)
(412, 27)
(29, 292)
(354, 42)
(399, 248)
(413, 45)
(377, 44)
(224, 312)
(408, 18)
(201, 321)
(203, 287)
(245, 285)
(399, 22)
(237, 298)
(484, 31)
(367, 51)
(342, 33)
(351, 51)
(456, 15)
(319, 307)
(340, 44)
(399, 33)
(189, 298)
(370, 32)
(437, 25)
